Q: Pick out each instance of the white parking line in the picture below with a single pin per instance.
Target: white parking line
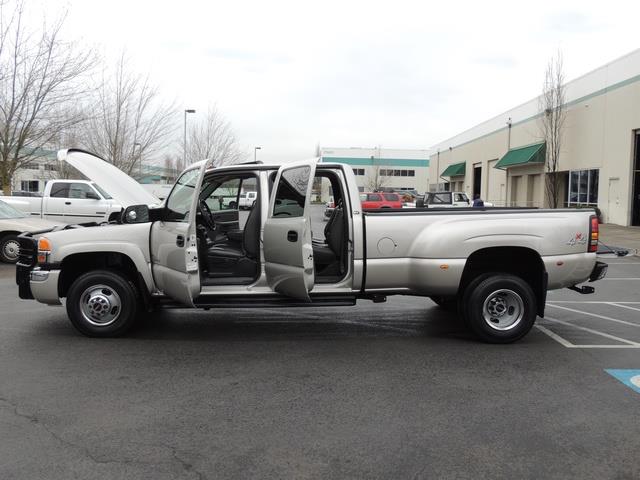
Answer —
(595, 332)
(567, 344)
(591, 301)
(621, 278)
(603, 317)
(555, 336)
(618, 304)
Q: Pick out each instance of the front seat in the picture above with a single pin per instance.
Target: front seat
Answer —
(238, 259)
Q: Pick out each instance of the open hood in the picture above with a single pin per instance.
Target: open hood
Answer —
(124, 189)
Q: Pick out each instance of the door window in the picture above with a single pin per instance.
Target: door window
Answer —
(374, 197)
(292, 192)
(179, 201)
(223, 196)
(59, 190)
(81, 190)
(440, 198)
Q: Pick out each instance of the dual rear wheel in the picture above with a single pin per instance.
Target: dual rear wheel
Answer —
(497, 307)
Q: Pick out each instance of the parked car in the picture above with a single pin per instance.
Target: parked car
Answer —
(376, 200)
(495, 265)
(444, 200)
(12, 223)
(76, 201)
(247, 200)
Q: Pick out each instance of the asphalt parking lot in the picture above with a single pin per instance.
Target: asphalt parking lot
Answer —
(393, 390)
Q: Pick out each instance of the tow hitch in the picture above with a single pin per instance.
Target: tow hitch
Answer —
(584, 289)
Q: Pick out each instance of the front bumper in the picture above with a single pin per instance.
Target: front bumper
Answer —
(599, 271)
(35, 281)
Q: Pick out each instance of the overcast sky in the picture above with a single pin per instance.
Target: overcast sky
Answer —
(291, 74)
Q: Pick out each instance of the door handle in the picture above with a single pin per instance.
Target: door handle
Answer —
(180, 240)
(292, 236)
(67, 203)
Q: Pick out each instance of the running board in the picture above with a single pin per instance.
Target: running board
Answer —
(269, 301)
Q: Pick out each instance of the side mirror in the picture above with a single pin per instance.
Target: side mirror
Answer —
(92, 196)
(136, 214)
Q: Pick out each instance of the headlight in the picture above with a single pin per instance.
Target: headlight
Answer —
(44, 249)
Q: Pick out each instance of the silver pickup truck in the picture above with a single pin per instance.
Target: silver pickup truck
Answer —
(494, 265)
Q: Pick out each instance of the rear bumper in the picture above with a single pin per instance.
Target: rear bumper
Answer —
(599, 271)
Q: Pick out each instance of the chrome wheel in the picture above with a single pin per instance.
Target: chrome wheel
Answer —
(503, 309)
(10, 250)
(100, 305)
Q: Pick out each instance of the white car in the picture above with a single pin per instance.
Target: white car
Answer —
(247, 200)
(12, 223)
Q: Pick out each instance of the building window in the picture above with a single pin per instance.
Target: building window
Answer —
(31, 166)
(29, 185)
(411, 173)
(358, 171)
(49, 167)
(583, 187)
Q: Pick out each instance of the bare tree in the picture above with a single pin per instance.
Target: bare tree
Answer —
(40, 85)
(375, 179)
(213, 138)
(130, 123)
(552, 106)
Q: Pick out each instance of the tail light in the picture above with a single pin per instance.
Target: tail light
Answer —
(593, 233)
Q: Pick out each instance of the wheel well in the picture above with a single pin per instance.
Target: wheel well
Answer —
(75, 265)
(520, 261)
(6, 233)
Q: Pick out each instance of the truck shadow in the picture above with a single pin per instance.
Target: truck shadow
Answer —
(252, 325)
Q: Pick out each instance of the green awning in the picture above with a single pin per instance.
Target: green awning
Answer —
(523, 156)
(454, 170)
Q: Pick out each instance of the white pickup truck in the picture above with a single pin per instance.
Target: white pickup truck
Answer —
(71, 201)
(494, 264)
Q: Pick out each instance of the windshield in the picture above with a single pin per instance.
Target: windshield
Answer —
(104, 194)
(7, 211)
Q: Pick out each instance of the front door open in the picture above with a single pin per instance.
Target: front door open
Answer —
(174, 248)
(288, 251)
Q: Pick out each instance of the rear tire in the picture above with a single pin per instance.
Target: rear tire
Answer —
(499, 308)
(9, 248)
(102, 303)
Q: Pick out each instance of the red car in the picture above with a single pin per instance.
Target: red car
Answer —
(377, 200)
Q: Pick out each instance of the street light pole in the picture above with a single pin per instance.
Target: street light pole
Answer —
(255, 153)
(184, 144)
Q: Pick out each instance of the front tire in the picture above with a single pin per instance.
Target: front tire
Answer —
(9, 248)
(102, 303)
(500, 308)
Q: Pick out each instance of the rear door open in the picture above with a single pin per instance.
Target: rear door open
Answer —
(288, 251)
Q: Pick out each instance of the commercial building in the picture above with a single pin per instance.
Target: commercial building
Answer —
(381, 168)
(503, 158)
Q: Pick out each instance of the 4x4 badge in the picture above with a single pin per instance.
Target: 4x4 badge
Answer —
(578, 239)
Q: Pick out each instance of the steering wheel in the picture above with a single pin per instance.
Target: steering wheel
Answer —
(207, 216)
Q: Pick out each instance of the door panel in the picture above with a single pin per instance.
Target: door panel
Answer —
(53, 205)
(174, 248)
(288, 249)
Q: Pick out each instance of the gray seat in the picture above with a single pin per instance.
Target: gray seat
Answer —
(238, 259)
(330, 252)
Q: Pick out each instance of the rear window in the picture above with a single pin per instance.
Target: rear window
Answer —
(439, 198)
(392, 197)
